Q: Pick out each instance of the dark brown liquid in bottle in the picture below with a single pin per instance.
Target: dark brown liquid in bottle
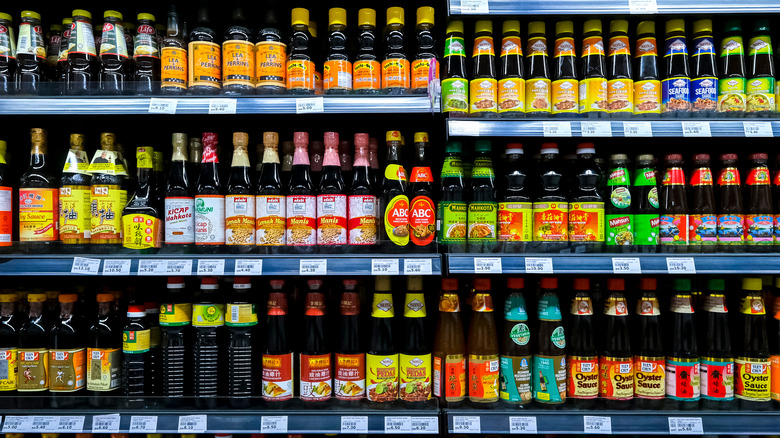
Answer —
(674, 207)
(731, 219)
(538, 102)
(7, 61)
(114, 61)
(146, 56)
(593, 69)
(483, 78)
(703, 218)
(761, 78)
(30, 56)
(758, 205)
(82, 58)
(731, 99)
(173, 50)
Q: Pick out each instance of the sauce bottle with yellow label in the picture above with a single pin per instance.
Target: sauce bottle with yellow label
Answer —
(565, 87)
(205, 58)
(537, 85)
(393, 201)
(300, 68)
(395, 68)
(647, 84)
(8, 58)
(338, 69)
(593, 79)
(142, 229)
(74, 197)
(10, 320)
(173, 57)
(366, 71)
(108, 195)
(415, 358)
(31, 57)
(426, 52)
(511, 83)
(238, 57)
(752, 371)
(483, 92)
(270, 57)
(33, 353)
(620, 85)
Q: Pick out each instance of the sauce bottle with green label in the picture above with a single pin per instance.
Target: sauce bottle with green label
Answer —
(619, 218)
(516, 355)
(549, 370)
(760, 86)
(175, 341)
(731, 83)
(208, 347)
(483, 88)
(483, 209)
(455, 84)
(452, 210)
(717, 360)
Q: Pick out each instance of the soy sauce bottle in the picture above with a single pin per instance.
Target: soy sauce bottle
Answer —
(61, 69)
(514, 206)
(141, 216)
(483, 85)
(620, 87)
(82, 57)
(301, 200)
(270, 56)
(676, 101)
(30, 55)
(337, 70)
(647, 84)
(586, 207)
(704, 83)
(483, 208)
(731, 84)
(511, 83)
(761, 78)
(114, 68)
(179, 204)
(565, 87)
(550, 232)
(426, 52)
(300, 68)
(331, 200)
(67, 360)
(395, 68)
(366, 70)
(452, 209)
(537, 84)
(10, 321)
(270, 201)
(7, 58)
(146, 56)
(393, 202)
(593, 79)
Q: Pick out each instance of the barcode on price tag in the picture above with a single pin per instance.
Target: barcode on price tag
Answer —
(211, 267)
(474, 7)
(162, 106)
(425, 425)
(45, 424)
(418, 266)
(757, 129)
(696, 129)
(538, 265)
(626, 265)
(522, 425)
(83, 265)
(680, 265)
(596, 129)
(466, 424)
(72, 424)
(105, 423)
(398, 425)
(597, 424)
(16, 424)
(384, 266)
(557, 129)
(116, 267)
(222, 106)
(143, 423)
(637, 129)
(151, 267)
(642, 7)
(463, 128)
(487, 265)
(192, 424)
(178, 267)
(354, 424)
(249, 267)
(273, 424)
(309, 105)
(313, 267)
(686, 426)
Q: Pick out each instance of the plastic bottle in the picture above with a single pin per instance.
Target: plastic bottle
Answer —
(82, 57)
(550, 207)
(208, 346)
(8, 57)
(136, 369)
(243, 344)
(175, 341)
(549, 370)
(516, 352)
(30, 55)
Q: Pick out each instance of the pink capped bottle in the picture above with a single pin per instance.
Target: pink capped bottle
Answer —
(331, 199)
(301, 202)
(362, 198)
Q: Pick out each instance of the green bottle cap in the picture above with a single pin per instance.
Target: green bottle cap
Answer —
(733, 25)
(682, 284)
(716, 284)
(482, 146)
(761, 26)
(453, 147)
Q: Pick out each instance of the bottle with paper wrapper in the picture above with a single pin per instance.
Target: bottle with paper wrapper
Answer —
(173, 57)
(204, 57)
(238, 56)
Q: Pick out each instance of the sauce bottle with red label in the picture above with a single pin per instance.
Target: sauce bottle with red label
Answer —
(38, 200)
(515, 221)
(277, 370)
(204, 58)
(703, 221)
(393, 202)
(537, 84)
(301, 200)
(8, 58)
(731, 219)
(759, 222)
(593, 80)
(422, 211)
(649, 362)
(361, 201)
(315, 359)
(425, 66)
(583, 360)
(616, 363)
(337, 71)
(382, 367)
(683, 388)
(238, 56)
(142, 230)
(366, 70)
(565, 87)
(270, 56)
(300, 68)
(146, 56)
(647, 84)
(620, 87)
(349, 376)
(30, 55)
(752, 373)
(449, 348)
(550, 206)
(331, 200)
(483, 93)
(483, 347)
(396, 74)
(173, 57)
(586, 206)
(717, 358)
(674, 207)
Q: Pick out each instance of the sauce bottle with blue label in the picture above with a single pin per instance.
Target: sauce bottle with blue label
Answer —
(704, 83)
(675, 86)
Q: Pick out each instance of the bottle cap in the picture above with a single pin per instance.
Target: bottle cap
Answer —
(645, 28)
(673, 157)
(701, 157)
(77, 141)
(66, 22)
(618, 26)
(382, 283)
(761, 25)
(314, 283)
(421, 137)
(105, 298)
(453, 147)
(702, 26)
(758, 156)
(716, 284)
(175, 282)
(485, 26)
(581, 284)
(240, 139)
(618, 157)
(107, 140)
(449, 284)
(114, 14)
(301, 137)
(395, 15)
(31, 14)
(682, 284)
(208, 280)
(515, 283)
(276, 284)
(36, 298)
(482, 284)
(751, 283)
(337, 16)
(586, 148)
(549, 283)
(72, 298)
(241, 281)
(270, 138)
(536, 27)
(351, 282)
(591, 26)
(331, 139)
(143, 16)
(455, 26)
(514, 148)
(300, 16)
(366, 17)
(151, 307)
(510, 26)
(616, 284)
(482, 146)
(733, 25)
(210, 140)
(361, 140)
(675, 25)
(136, 311)
(549, 148)
(425, 15)
(564, 27)
(393, 136)
(313, 28)
(648, 283)
(414, 282)
(4, 16)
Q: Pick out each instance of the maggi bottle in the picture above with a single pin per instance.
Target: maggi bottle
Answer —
(565, 88)
(593, 80)
(74, 202)
(483, 85)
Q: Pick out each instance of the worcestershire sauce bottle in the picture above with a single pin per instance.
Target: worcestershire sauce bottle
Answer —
(238, 56)
(173, 57)
(752, 375)
(549, 370)
(582, 381)
(204, 58)
(717, 360)
(516, 352)
(270, 56)
(649, 361)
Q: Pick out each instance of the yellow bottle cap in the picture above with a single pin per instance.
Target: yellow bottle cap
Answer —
(4, 16)
(751, 283)
(337, 16)
(425, 15)
(8, 298)
(421, 137)
(645, 27)
(702, 26)
(591, 26)
(395, 15)
(140, 17)
(618, 26)
(313, 28)
(483, 26)
(564, 27)
(41, 298)
(3, 147)
(455, 26)
(393, 136)
(300, 16)
(67, 22)
(382, 283)
(82, 13)
(366, 17)
(536, 27)
(675, 25)
(510, 26)
(68, 298)
(114, 14)
(31, 14)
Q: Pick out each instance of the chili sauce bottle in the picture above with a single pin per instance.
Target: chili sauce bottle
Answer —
(511, 83)
(393, 202)
(674, 207)
(593, 79)
(586, 205)
(483, 86)
(676, 100)
(704, 79)
(619, 218)
(173, 57)
(238, 57)
(74, 202)
(270, 57)
(620, 87)
(38, 199)
(300, 68)
(146, 56)
(647, 84)
(114, 61)
(366, 70)
(141, 216)
(30, 55)
(702, 222)
(565, 87)
(8, 57)
(731, 213)
(396, 75)
(760, 86)
(271, 205)
(422, 211)
(425, 66)
(337, 72)
(537, 83)
(731, 84)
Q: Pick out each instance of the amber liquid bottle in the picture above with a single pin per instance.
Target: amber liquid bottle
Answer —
(74, 198)
(483, 348)
(449, 348)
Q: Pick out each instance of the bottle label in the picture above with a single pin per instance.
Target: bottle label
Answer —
(703, 229)
(731, 229)
(270, 63)
(449, 377)
(141, 231)
(9, 366)
(104, 369)
(106, 204)
(564, 96)
(31, 40)
(760, 45)
(682, 379)
(6, 215)
(366, 76)
(586, 221)
(396, 220)
(82, 38)
(146, 45)
(421, 72)
(208, 315)
(483, 46)
(415, 381)
(551, 221)
(35, 366)
(454, 217)
(277, 377)
(549, 379)
(7, 43)
(649, 377)
(704, 45)
(316, 377)
(136, 341)
(483, 377)
(422, 219)
(617, 378)
(774, 373)
(676, 46)
(620, 95)
(717, 379)
(455, 95)
(75, 217)
(537, 95)
(64, 44)
(752, 379)
(511, 45)
(76, 162)
(337, 75)
(619, 45)
(592, 46)
(705, 94)
(482, 221)
(647, 97)
(583, 377)
(564, 47)
(511, 95)
(759, 229)
(593, 95)
(332, 220)
(675, 95)
(205, 64)
(240, 219)
(515, 221)
(484, 93)
(646, 47)
(729, 177)
(674, 229)
(301, 220)
(173, 72)
(647, 227)
(395, 73)
(238, 62)
(179, 220)
(350, 376)
(175, 315)
(271, 217)
(241, 315)
(455, 46)
(107, 163)
(731, 95)
(382, 377)
(515, 379)
(209, 220)
(362, 220)
(113, 40)
(760, 95)
(38, 221)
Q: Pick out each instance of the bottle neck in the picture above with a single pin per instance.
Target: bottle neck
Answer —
(393, 152)
(301, 156)
(361, 156)
(331, 157)
(270, 154)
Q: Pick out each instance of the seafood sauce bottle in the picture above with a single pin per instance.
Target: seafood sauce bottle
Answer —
(565, 88)
(647, 84)
(425, 66)
(455, 85)
(300, 68)
(593, 80)
(704, 79)
(731, 85)
(676, 100)
(395, 68)
(483, 85)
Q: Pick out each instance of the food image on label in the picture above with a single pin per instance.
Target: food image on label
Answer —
(482, 221)
(675, 95)
(593, 95)
(583, 377)
(349, 382)
(300, 75)
(484, 94)
(113, 41)
(454, 217)
(704, 92)
(649, 377)
(674, 229)
(331, 220)
(277, 375)
(551, 221)
(238, 63)
(515, 221)
(455, 94)
(38, 221)
(6, 215)
(270, 224)
(565, 97)
(537, 95)
(362, 220)
(647, 97)
(337, 75)
(422, 220)
(141, 231)
(240, 219)
(515, 379)
(703, 229)
(270, 63)
(316, 378)
(366, 75)
(396, 220)
(682, 379)
(34, 370)
(449, 377)
(9, 367)
(104, 369)
(415, 380)
(146, 43)
(549, 379)
(617, 378)
(511, 95)
(209, 220)
(301, 220)
(205, 64)
(586, 221)
(382, 377)
(620, 96)
(717, 378)
(75, 216)
(731, 95)
(395, 73)
(483, 377)
(179, 220)
(421, 71)
(619, 229)
(173, 72)
(752, 379)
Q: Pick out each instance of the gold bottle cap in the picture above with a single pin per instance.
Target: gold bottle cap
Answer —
(395, 15)
(31, 14)
(271, 139)
(510, 26)
(300, 16)
(421, 137)
(702, 26)
(455, 26)
(179, 139)
(645, 27)
(38, 136)
(3, 147)
(382, 283)
(366, 17)
(77, 141)
(337, 16)
(536, 27)
(240, 139)
(483, 26)
(107, 141)
(425, 15)
(564, 27)
(591, 26)
(143, 16)
(114, 14)
(618, 26)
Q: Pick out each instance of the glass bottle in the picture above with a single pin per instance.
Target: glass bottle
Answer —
(366, 70)
(270, 56)
(483, 87)
(30, 55)
(676, 100)
(204, 57)
(146, 56)
(565, 87)
(38, 200)
(455, 84)
(300, 68)
(114, 68)
(593, 72)
(179, 204)
(731, 84)
(425, 59)
(337, 71)
(74, 197)
(240, 199)
(141, 216)
(82, 57)
(647, 84)
(704, 70)
(270, 201)
(173, 57)
(537, 84)
(620, 86)
(209, 200)
(396, 77)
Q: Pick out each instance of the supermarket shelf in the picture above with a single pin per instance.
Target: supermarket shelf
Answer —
(216, 105)
(592, 7)
(250, 264)
(605, 128)
(655, 264)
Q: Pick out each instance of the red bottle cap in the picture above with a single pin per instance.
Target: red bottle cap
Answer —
(515, 283)
(549, 148)
(331, 139)
(673, 157)
(314, 284)
(210, 139)
(361, 139)
(648, 283)
(586, 148)
(549, 283)
(482, 284)
(582, 284)
(175, 280)
(136, 310)
(701, 157)
(728, 157)
(276, 284)
(241, 280)
(449, 284)
(514, 148)
(208, 280)
(616, 284)
(301, 137)
(759, 156)
(350, 282)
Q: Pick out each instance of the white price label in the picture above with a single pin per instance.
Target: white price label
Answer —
(72, 424)
(309, 105)
(474, 7)
(696, 129)
(151, 267)
(211, 267)
(192, 424)
(557, 129)
(17, 424)
(162, 106)
(105, 423)
(522, 425)
(143, 424)
(418, 267)
(398, 425)
(313, 267)
(354, 425)
(384, 266)
(626, 265)
(686, 426)
(222, 106)
(538, 265)
(83, 265)
(680, 265)
(642, 7)
(463, 424)
(273, 424)
(487, 265)
(249, 267)
(44, 424)
(597, 424)
(758, 129)
(596, 129)
(425, 425)
(178, 267)
(116, 267)
(637, 129)
(463, 128)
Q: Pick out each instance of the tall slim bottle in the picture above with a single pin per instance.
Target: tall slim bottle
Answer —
(179, 204)
(240, 199)
(204, 57)
(676, 98)
(674, 207)
(515, 224)
(38, 200)
(717, 358)
(415, 354)
(33, 353)
(67, 355)
(242, 345)
(270, 56)
(10, 322)
(683, 379)
(483, 347)
(209, 200)
(731, 85)
(141, 225)
(483, 208)
(452, 209)
(8, 57)
(703, 221)
(455, 84)
(616, 363)
(108, 195)
(649, 361)
(362, 200)
(382, 367)
(752, 373)
(620, 87)
(316, 354)
(349, 376)
(393, 202)
(331, 199)
(270, 203)
(208, 354)
(238, 56)
(593, 72)
(173, 57)
(277, 370)
(760, 85)
(449, 348)
(422, 211)
(582, 383)
(74, 202)
(175, 342)
(731, 213)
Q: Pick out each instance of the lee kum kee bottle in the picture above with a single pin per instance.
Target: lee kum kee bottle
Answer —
(752, 373)
(315, 360)
(179, 202)
(277, 371)
(271, 205)
(449, 348)
(349, 377)
(582, 383)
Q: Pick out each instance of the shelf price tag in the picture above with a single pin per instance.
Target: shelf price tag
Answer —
(151, 267)
(249, 267)
(597, 424)
(642, 7)
(463, 128)
(192, 424)
(418, 266)
(538, 265)
(222, 106)
(16, 424)
(273, 424)
(313, 267)
(596, 129)
(84, 265)
(696, 129)
(178, 267)
(309, 105)
(384, 266)
(211, 267)
(162, 106)
(637, 129)
(556, 129)
(72, 424)
(44, 424)
(425, 425)
(116, 267)
(758, 129)
(487, 265)
(105, 423)
(685, 426)
(143, 424)
(466, 424)
(522, 425)
(626, 265)
(474, 7)
(398, 425)
(680, 265)
(354, 424)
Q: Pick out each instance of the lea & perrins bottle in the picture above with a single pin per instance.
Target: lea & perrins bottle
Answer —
(537, 84)
(270, 57)
(511, 82)
(204, 58)
(683, 379)
(647, 85)
(415, 356)
(396, 75)
(382, 367)
(593, 80)
(483, 361)
(449, 348)
(393, 201)
(549, 370)
(516, 356)
(483, 87)
(616, 363)
(277, 371)
(349, 376)
(717, 358)
(752, 373)
(454, 84)
(649, 362)
(173, 57)
(582, 383)
(75, 215)
(238, 57)
(38, 199)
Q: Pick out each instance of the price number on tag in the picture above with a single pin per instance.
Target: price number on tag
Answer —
(116, 267)
(626, 265)
(309, 105)
(696, 129)
(313, 267)
(222, 106)
(162, 106)
(105, 423)
(143, 423)
(398, 425)
(596, 129)
(597, 424)
(151, 267)
(487, 265)
(418, 266)
(686, 426)
(637, 129)
(522, 425)
(45, 424)
(642, 7)
(384, 266)
(17, 424)
(425, 425)
(83, 265)
(192, 424)
(273, 424)
(557, 129)
(538, 265)
(211, 267)
(178, 267)
(474, 7)
(680, 265)
(354, 424)
(758, 129)
(249, 267)
(466, 424)
(74, 424)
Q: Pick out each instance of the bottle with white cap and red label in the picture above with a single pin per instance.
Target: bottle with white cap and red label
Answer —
(586, 206)
(301, 201)
(208, 355)
(550, 206)
(242, 328)
(331, 199)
